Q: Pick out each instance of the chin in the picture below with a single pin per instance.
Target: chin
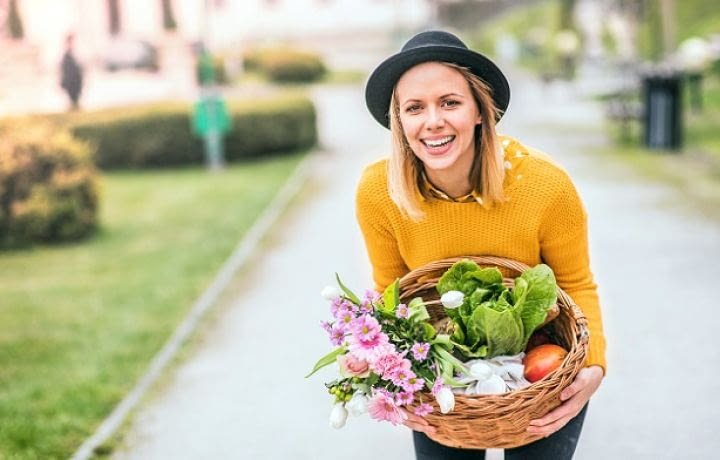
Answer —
(438, 164)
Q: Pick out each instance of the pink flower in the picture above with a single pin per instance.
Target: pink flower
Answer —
(350, 366)
(337, 335)
(335, 305)
(414, 384)
(366, 307)
(423, 409)
(401, 377)
(389, 364)
(371, 296)
(369, 350)
(437, 386)
(326, 325)
(345, 318)
(402, 311)
(382, 407)
(365, 328)
(404, 398)
(420, 351)
(342, 310)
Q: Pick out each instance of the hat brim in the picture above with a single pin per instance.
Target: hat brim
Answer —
(382, 81)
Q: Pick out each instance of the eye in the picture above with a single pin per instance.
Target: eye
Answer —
(412, 108)
(450, 102)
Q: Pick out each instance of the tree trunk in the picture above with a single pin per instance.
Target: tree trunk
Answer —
(114, 14)
(566, 14)
(14, 22)
(169, 22)
(667, 18)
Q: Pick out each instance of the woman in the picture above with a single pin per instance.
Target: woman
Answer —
(454, 187)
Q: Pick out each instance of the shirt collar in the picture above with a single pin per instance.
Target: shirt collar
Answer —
(439, 194)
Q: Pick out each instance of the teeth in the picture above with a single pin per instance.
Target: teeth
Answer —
(439, 142)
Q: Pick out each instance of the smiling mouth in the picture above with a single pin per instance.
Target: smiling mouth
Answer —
(439, 143)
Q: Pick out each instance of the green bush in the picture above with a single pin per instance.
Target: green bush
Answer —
(274, 127)
(251, 60)
(160, 135)
(286, 65)
(48, 186)
(151, 136)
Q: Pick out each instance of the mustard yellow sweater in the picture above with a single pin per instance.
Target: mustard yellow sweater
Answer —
(543, 221)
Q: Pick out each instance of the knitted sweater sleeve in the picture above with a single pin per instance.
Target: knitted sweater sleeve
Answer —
(564, 247)
(372, 205)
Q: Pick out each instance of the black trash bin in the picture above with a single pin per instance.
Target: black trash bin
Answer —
(663, 119)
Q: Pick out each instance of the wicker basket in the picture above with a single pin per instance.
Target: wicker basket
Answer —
(500, 421)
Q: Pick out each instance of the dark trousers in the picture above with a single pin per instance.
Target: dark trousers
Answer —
(558, 446)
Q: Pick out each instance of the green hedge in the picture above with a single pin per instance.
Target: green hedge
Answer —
(285, 65)
(48, 186)
(276, 127)
(140, 137)
(160, 135)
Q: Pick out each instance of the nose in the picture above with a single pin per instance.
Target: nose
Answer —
(434, 119)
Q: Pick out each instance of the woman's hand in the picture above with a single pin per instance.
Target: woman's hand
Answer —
(574, 396)
(417, 423)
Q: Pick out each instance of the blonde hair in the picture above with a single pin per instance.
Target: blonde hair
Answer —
(405, 170)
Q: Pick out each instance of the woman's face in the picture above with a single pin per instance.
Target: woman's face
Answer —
(438, 115)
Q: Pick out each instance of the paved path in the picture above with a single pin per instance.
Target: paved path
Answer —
(240, 393)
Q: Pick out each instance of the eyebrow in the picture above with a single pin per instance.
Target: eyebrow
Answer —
(441, 97)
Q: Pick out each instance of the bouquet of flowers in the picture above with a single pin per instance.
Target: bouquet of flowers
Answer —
(392, 359)
(387, 353)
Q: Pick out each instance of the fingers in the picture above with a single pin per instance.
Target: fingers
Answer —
(547, 430)
(574, 398)
(418, 423)
(564, 411)
(571, 390)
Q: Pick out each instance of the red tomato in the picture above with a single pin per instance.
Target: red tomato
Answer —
(542, 360)
(538, 338)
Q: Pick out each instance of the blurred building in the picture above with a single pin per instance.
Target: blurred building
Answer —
(221, 23)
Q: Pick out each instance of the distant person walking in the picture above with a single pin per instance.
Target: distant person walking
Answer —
(71, 74)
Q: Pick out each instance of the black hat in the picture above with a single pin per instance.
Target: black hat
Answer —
(433, 45)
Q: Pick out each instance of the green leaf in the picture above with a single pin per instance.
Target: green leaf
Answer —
(326, 360)
(415, 302)
(504, 332)
(419, 313)
(467, 352)
(452, 279)
(372, 379)
(429, 332)
(536, 294)
(348, 293)
(486, 276)
(441, 339)
(391, 296)
(458, 335)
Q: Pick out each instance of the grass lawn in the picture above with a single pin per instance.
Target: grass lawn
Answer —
(79, 323)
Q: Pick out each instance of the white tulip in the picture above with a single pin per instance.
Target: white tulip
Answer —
(330, 293)
(495, 385)
(338, 415)
(446, 400)
(481, 371)
(357, 405)
(452, 299)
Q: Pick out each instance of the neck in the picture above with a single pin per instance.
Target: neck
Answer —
(453, 185)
